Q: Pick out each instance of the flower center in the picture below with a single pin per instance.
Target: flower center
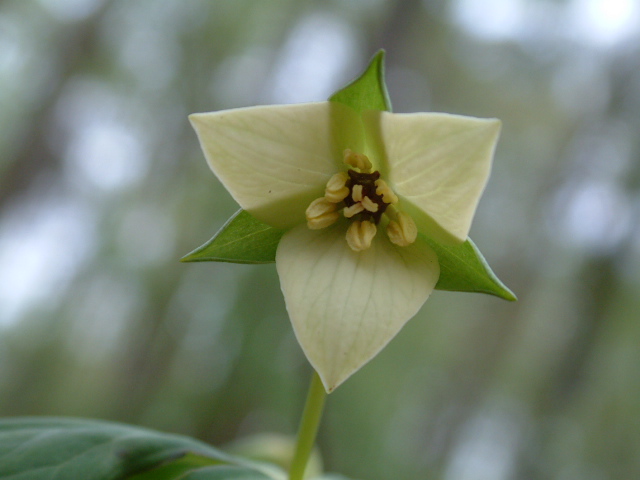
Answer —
(363, 197)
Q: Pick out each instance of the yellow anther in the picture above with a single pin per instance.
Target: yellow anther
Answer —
(353, 210)
(402, 231)
(353, 189)
(357, 160)
(321, 213)
(336, 189)
(369, 205)
(356, 193)
(385, 192)
(360, 234)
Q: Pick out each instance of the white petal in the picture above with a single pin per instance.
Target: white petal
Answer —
(275, 160)
(438, 164)
(346, 306)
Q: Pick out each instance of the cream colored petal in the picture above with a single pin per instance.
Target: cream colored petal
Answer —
(275, 160)
(346, 306)
(438, 164)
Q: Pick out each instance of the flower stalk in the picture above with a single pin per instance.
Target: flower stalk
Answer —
(308, 428)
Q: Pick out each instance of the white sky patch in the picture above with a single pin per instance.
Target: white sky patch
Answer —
(100, 136)
(318, 50)
(107, 155)
(605, 22)
(11, 49)
(486, 450)
(71, 10)
(489, 19)
(598, 23)
(41, 249)
(597, 215)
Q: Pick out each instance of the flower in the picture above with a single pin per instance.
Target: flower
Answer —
(357, 192)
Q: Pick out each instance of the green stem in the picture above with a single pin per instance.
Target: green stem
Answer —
(308, 428)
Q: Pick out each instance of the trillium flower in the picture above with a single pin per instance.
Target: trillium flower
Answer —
(359, 194)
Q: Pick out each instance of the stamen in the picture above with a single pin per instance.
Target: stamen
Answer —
(369, 205)
(337, 189)
(356, 193)
(353, 210)
(357, 160)
(360, 234)
(365, 196)
(403, 230)
(321, 213)
(385, 192)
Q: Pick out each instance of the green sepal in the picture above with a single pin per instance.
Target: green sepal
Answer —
(464, 269)
(243, 239)
(368, 91)
(42, 448)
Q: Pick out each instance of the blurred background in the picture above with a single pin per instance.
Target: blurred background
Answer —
(103, 188)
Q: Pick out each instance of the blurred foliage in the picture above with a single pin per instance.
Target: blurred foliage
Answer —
(103, 188)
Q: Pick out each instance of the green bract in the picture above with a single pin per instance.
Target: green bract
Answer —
(346, 305)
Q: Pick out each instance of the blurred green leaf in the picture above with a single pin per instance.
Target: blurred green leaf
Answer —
(63, 448)
(173, 469)
(243, 239)
(238, 473)
(464, 269)
(331, 476)
(368, 91)
(224, 473)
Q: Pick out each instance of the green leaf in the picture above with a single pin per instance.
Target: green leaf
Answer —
(224, 473)
(173, 469)
(238, 473)
(65, 448)
(368, 91)
(331, 476)
(243, 239)
(464, 269)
